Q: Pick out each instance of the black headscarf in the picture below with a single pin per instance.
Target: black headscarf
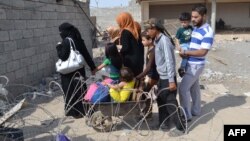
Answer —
(65, 30)
(68, 30)
(112, 53)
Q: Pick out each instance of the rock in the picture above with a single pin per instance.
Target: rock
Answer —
(202, 87)
(240, 40)
(235, 38)
(240, 77)
(247, 94)
(3, 91)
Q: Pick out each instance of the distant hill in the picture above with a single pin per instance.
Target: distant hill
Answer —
(106, 16)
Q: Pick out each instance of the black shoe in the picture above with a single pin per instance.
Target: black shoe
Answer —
(181, 72)
(181, 127)
(164, 127)
(77, 116)
(184, 120)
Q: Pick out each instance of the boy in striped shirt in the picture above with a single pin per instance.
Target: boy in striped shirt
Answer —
(201, 42)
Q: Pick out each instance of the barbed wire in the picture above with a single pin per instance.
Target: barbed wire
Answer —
(37, 121)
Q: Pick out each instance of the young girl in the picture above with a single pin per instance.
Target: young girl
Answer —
(113, 60)
(150, 71)
(121, 92)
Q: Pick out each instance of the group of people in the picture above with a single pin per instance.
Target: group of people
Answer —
(125, 59)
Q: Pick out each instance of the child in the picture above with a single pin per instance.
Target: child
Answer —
(183, 38)
(150, 71)
(113, 33)
(113, 60)
(165, 63)
(121, 92)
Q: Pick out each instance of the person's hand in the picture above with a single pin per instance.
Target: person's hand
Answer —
(59, 45)
(139, 79)
(104, 83)
(172, 86)
(178, 48)
(182, 53)
(94, 71)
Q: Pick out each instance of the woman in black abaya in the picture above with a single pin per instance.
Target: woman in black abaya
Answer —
(73, 89)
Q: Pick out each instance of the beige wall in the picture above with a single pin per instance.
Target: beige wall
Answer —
(168, 11)
(234, 14)
(169, 14)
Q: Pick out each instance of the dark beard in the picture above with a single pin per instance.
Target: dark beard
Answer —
(199, 24)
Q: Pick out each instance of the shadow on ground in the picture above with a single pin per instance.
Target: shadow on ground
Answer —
(209, 110)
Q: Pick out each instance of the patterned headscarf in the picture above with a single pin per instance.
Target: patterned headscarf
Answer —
(155, 23)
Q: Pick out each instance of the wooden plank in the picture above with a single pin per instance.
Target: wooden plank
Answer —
(12, 111)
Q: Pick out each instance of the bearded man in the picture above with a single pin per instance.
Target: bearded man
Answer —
(201, 42)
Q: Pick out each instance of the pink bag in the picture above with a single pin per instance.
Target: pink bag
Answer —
(92, 88)
(108, 80)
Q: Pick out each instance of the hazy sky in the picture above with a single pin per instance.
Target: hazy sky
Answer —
(108, 3)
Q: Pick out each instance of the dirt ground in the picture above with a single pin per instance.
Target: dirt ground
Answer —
(225, 85)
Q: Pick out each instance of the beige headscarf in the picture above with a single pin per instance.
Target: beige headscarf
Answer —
(114, 32)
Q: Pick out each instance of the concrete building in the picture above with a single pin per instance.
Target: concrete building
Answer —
(29, 33)
(235, 13)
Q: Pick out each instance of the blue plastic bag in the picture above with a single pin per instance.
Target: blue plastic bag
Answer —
(101, 94)
(61, 137)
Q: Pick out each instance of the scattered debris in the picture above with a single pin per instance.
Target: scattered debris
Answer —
(202, 87)
(126, 132)
(47, 122)
(205, 94)
(12, 111)
(210, 75)
(213, 49)
(235, 38)
(219, 60)
(3, 91)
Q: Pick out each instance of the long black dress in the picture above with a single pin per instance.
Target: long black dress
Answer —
(72, 88)
(132, 52)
